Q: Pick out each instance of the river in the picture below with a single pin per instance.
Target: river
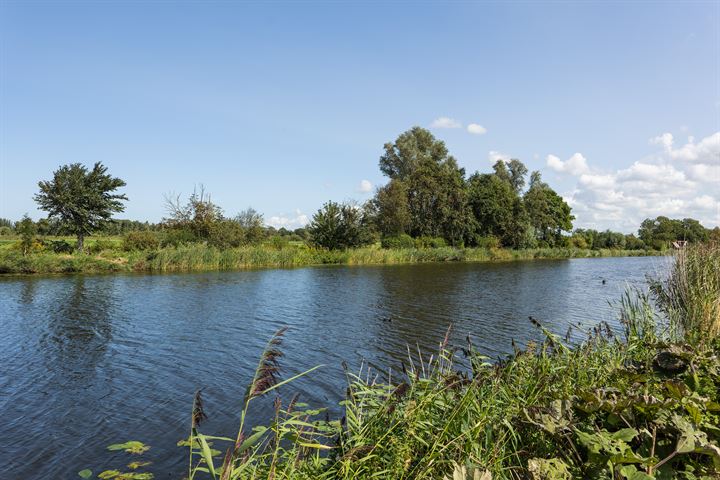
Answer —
(92, 360)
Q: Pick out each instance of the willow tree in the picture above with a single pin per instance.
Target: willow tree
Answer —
(83, 200)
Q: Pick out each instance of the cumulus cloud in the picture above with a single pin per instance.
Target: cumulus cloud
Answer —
(677, 181)
(365, 186)
(575, 165)
(289, 221)
(476, 129)
(445, 122)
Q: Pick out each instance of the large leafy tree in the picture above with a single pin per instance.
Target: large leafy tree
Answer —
(659, 232)
(411, 149)
(549, 214)
(84, 200)
(435, 186)
(389, 209)
(492, 201)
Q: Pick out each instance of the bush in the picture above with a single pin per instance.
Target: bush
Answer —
(578, 241)
(60, 246)
(488, 242)
(634, 243)
(398, 241)
(278, 242)
(174, 237)
(430, 242)
(5, 231)
(101, 245)
(226, 234)
(141, 240)
(339, 227)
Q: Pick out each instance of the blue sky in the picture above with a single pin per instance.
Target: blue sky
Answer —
(286, 105)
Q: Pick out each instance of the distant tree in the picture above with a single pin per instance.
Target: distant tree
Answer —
(339, 226)
(26, 229)
(301, 233)
(517, 171)
(82, 199)
(435, 189)
(389, 209)
(198, 215)
(4, 222)
(437, 200)
(549, 214)
(658, 233)
(253, 223)
(409, 151)
(633, 243)
(492, 201)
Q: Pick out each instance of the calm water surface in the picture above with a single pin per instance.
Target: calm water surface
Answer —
(93, 360)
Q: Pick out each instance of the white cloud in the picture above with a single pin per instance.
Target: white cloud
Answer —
(289, 221)
(476, 129)
(365, 186)
(677, 182)
(494, 156)
(445, 122)
(575, 165)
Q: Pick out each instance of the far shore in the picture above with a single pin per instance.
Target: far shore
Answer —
(197, 258)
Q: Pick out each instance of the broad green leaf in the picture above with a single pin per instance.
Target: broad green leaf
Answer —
(109, 474)
(206, 454)
(87, 473)
(132, 446)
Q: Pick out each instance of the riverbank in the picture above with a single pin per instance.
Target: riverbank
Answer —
(204, 258)
(639, 404)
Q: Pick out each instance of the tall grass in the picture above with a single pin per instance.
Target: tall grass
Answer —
(200, 257)
(690, 295)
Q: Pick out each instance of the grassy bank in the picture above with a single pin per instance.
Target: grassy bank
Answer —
(205, 258)
(639, 404)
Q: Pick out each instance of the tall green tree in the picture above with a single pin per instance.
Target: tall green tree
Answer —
(389, 209)
(84, 200)
(491, 201)
(253, 223)
(436, 193)
(549, 214)
(410, 150)
(658, 233)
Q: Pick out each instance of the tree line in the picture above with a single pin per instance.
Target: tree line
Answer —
(428, 201)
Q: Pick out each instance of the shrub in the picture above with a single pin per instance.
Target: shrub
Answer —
(226, 234)
(278, 242)
(430, 242)
(141, 240)
(101, 245)
(5, 231)
(339, 226)
(60, 246)
(634, 243)
(488, 242)
(174, 237)
(578, 241)
(399, 241)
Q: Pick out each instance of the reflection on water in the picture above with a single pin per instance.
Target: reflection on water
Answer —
(90, 361)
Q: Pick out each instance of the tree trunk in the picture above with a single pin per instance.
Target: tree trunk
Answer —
(80, 242)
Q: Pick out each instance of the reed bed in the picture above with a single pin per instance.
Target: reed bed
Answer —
(638, 404)
(201, 257)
